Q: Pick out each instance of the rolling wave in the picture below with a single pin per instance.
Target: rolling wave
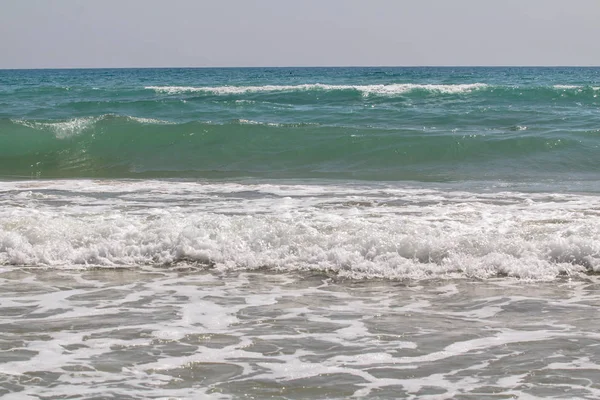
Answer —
(125, 146)
(383, 89)
(366, 90)
(356, 231)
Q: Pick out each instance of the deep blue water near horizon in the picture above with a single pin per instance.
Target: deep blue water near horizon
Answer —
(300, 233)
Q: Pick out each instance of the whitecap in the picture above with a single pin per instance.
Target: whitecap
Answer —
(567, 87)
(366, 90)
(150, 121)
(62, 129)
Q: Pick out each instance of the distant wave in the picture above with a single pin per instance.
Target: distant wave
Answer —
(508, 92)
(575, 87)
(366, 90)
(76, 126)
(567, 87)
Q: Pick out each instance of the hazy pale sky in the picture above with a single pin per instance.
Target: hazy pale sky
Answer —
(145, 33)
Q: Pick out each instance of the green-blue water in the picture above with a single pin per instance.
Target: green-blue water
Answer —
(377, 124)
(321, 233)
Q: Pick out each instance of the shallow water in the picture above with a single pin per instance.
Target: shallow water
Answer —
(159, 333)
(299, 233)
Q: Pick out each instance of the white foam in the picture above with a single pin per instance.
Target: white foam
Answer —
(163, 333)
(252, 122)
(76, 126)
(355, 231)
(62, 129)
(366, 90)
(567, 87)
(151, 121)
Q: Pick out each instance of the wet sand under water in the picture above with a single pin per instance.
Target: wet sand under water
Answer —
(159, 333)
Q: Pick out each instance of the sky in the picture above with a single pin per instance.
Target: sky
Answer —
(237, 33)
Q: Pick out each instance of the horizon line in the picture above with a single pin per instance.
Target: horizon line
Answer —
(298, 66)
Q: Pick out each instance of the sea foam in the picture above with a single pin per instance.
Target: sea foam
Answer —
(366, 90)
(354, 232)
(62, 129)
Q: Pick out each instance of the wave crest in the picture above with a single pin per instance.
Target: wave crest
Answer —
(366, 90)
(76, 126)
(62, 129)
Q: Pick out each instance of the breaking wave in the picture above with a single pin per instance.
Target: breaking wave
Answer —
(354, 231)
(366, 90)
(132, 147)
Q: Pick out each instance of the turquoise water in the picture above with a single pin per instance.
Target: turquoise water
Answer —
(419, 233)
(474, 172)
(375, 124)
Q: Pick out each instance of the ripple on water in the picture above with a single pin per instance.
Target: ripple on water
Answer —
(157, 333)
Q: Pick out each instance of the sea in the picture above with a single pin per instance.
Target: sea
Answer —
(300, 233)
